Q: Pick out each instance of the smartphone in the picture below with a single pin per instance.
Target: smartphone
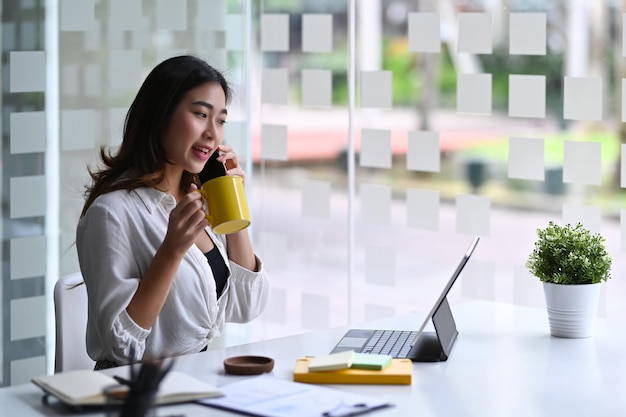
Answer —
(212, 169)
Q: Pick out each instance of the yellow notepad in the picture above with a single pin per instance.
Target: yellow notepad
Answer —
(400, 372)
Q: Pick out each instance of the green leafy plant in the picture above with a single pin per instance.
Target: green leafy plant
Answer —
(569, 255)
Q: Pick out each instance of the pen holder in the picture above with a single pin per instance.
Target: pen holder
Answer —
(114, 399)
(121, 402)
(140, 403)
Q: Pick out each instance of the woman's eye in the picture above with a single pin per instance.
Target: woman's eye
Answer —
(222, 122)
(202, 115)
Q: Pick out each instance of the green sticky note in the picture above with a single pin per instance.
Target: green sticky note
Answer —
(370, 361)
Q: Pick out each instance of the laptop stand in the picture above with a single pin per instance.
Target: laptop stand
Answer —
(436, 346)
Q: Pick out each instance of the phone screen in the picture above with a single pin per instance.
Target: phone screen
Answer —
(212, 169)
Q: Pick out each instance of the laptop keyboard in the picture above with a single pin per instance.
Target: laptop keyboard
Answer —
(396, 343)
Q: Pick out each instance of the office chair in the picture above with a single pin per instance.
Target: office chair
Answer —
(70, 311)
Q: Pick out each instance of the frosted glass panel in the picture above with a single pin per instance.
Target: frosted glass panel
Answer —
(526, 159)
(424, 32)
(28, 317)
(317, 33)
(275, 32)
(316, 199)
(77, 15)
(27, 71)
(583, 98)
(473, 215)
(376, 89)
(375, 203)
(28, 257)
(423, 152)
(28, 132)
(527, 33)
(475, 33)
(317, 88)
(28, 196)
(375, 148)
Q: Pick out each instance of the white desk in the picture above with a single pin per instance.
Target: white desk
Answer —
(504, 363)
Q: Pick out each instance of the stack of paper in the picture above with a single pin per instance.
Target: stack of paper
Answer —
(349, 359)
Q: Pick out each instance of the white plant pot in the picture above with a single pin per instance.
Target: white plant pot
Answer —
(571, 309)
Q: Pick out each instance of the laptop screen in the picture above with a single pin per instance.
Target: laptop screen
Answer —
(448, 286)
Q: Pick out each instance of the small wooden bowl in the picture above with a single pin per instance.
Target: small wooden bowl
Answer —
(248, 365)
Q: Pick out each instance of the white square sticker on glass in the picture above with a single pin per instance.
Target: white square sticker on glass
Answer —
(623, 99)
(124, 14)
(473, 214)
(315, 311)
(589, 216)
(527, 33)
(623, 166)
(117, 117)
(276, 309)
(28, 132)
(376, 87)
(375, 204)
(526, 158)
(91, 81)
(473, 94)
(380, 265)
(28, 317)
(234, 34)
(582, 162)
(377, 311)
(527, 96)
(317, 88)
(274, 32)
(77, 15)
(27, 71)
(317, 33)
(78, 129)
(624, 35)
(124, 71)
(171, 14)
(27, 196)
(316, 199)
(28, 257)
(273, 248)
(622, 222)
(422, 209)
(375, 148)
(475, 33)
(479, 280)
(582, 98)
(274, 142)
(274, 86)
(527, 289)
(424, 32)
(210, 15)
(235, 135)
(69, 80)
(423, 151)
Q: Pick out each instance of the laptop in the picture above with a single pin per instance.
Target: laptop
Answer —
(417, 345)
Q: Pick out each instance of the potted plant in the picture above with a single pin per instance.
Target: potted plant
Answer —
(571, 262)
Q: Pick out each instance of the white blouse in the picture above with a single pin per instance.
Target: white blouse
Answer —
(116, 242)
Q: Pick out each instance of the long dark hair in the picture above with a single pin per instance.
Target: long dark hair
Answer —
(141, 159)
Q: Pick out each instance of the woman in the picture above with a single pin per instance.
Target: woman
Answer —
(160, 282)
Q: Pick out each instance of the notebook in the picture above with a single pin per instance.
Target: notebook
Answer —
(416, 345)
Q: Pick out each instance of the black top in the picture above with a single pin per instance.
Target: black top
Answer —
(218, 266)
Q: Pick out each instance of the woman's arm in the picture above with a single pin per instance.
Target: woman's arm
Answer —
(186, 222)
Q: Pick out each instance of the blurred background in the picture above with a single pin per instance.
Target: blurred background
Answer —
(379, 136)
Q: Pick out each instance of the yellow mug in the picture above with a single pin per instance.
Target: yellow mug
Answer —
(226, 204)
